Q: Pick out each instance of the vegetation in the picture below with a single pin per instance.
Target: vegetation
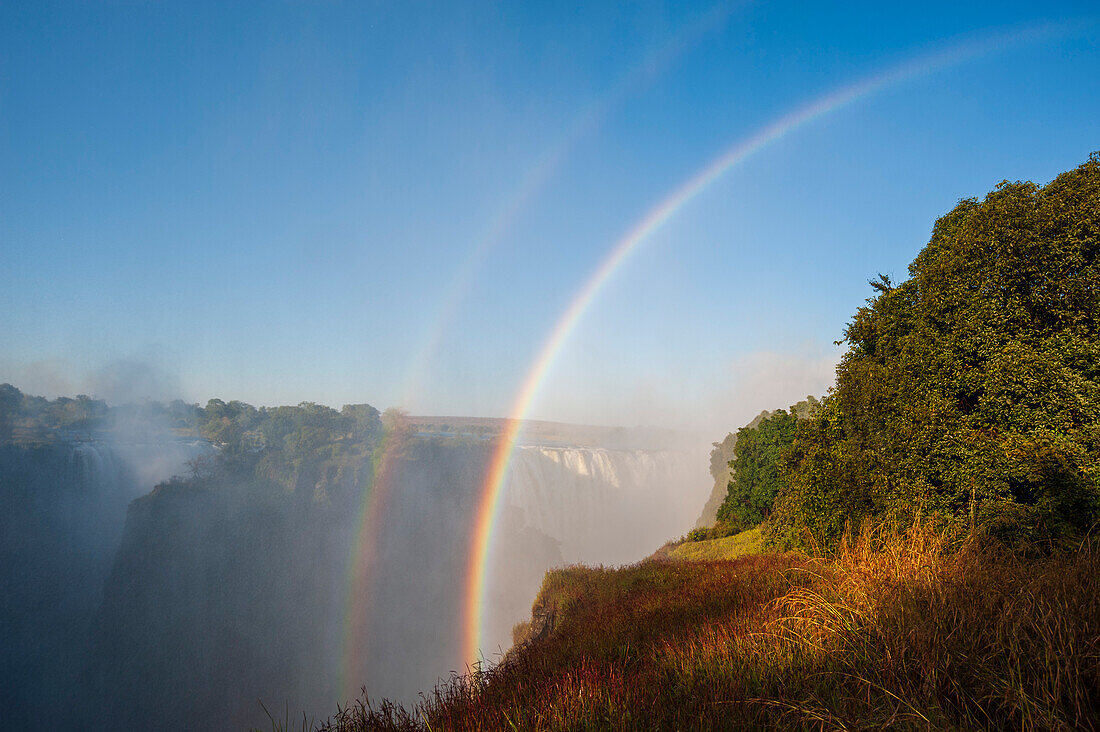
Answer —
(900, 631)
(755, 470)
(720, 458)
(28, 418)
(964, 427)
(756, 479)
(306, 449)
(971, 392)
(750, 541)
(747, 467)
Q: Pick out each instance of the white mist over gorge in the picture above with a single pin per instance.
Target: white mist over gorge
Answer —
(289, 555)
(605, 506)
(600, 506)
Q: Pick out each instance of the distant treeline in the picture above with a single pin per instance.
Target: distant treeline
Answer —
(308, 446)
(34, 418)
(969, 395)
(232, 425)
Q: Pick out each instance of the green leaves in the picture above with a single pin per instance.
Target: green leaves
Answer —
(977, 380)
(757, 469)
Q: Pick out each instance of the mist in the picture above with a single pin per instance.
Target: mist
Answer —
(64, 506)
(700, 405)
(147, 374)
(184, 590)
(191, 572)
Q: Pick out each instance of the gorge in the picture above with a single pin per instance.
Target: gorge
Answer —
(259, 575)
(62, 511)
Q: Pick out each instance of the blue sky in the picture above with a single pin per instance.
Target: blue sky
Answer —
(294, 201)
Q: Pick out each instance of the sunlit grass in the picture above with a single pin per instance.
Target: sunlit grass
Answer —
(893, 631)
(729, 547)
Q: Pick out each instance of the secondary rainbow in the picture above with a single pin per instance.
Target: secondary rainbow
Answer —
(359, 601)
(539, 176)
(363, 559)
(482, 536)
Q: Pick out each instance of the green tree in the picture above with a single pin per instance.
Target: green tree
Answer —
(973, 388)
(365, 421)
(11, 407)
(756, 469)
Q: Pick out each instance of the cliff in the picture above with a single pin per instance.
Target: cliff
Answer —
(62, 508)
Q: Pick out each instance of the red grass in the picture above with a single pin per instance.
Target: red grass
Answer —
(899, 632)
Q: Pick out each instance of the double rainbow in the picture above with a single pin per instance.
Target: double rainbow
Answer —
(489, 503)
(361, 569)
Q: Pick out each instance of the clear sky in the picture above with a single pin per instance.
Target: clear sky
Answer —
(395, 202)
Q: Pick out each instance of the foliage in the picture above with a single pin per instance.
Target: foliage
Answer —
(308, 449)
(720, 530)
(720, 468)
(11, 401)
(756, 467)
(37, 417)
(24, 417)
(972, 390)
(755, 475)
(895, 631)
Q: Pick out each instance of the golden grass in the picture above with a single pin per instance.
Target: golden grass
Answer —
(899, 631)
(729, 547)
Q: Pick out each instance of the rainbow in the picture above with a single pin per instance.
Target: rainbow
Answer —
(536, 178)
(361, 568)
(539, 176)
(487, 510)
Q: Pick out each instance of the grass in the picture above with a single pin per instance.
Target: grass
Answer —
(896, 631)
(728, 547)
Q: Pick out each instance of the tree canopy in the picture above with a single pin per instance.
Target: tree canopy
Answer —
(756, 466)
(755, 475)
(971, 391)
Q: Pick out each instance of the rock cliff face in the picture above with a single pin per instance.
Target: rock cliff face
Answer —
(62, 508)
(216, 599)
(224, 594)
(220, 592)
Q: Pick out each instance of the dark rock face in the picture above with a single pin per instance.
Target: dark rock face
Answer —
(211, 605)
(185, 607)
(62, 508)
(224, 595)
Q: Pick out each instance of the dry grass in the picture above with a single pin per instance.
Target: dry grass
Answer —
(898, 631)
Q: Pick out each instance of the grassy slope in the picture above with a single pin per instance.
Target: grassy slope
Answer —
(728, 547)
(900, 633)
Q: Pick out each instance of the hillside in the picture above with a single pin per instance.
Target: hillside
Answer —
(901, 631)
(941, 503)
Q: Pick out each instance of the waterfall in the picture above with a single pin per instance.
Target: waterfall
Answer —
(600, 505)
(95, 466)
(219, 596)
(605, 506)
